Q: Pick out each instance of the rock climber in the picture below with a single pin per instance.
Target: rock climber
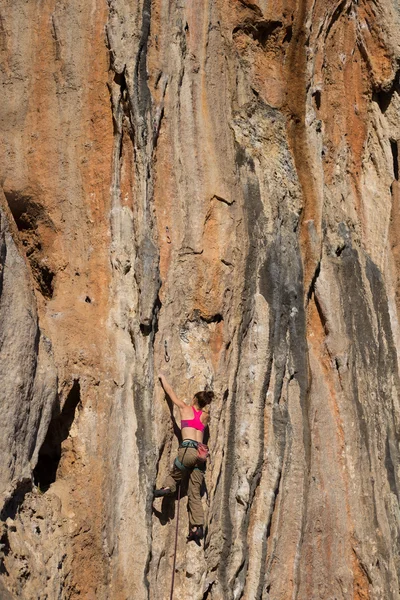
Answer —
(190, 461)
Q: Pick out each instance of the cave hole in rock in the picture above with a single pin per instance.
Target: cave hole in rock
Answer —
(120, 80)
(44, 276)
(395, 154)
(288, 35)
(27, 214)
(197, 316)
(214, 318)
(145, 329)
(340, 249)
(45, 472)
(5, 549)
(15, 500)
(260, 31)
(317, 99)
(88, 300)
(24, 211)
(384, 97)
(151, 326)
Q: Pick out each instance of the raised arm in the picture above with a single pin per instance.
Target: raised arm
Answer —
(170, 392)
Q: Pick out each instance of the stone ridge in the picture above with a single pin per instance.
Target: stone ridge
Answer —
(208, 189)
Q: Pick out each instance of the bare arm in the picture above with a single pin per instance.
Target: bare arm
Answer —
(170, 392)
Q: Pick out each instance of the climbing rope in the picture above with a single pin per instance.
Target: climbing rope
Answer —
(176, 544)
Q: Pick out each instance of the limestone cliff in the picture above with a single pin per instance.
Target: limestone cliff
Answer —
(209, 188)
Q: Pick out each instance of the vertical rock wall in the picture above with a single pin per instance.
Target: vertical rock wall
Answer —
(209, 189)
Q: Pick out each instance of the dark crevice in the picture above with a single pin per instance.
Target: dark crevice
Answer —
(335, 17)
(384, 97)
(240, 574)
(260, 31)
(5, 543)
(157, 127)
(288, 35)
(268, 531)
(127, 109)
(226, 263)
(252, 6)
(311, 289)
(141, 88)
(317, 99)
(206, 594)
(390, 469)
(395, 154)
(157, 79)
(229, 460)
(44, 276)
(119, 79)
(340, 249)
(321, 315)
(213, 319)
(198, 317)
(27, 215)
(146, 328)
(45, 472)
(14, 501)
(3, 258)
(4, 551)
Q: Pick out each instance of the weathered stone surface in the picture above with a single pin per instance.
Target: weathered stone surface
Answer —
(211, 189)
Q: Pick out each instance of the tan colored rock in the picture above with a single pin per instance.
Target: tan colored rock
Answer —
(209, 189)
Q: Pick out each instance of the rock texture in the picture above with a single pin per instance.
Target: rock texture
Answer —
(210, 189)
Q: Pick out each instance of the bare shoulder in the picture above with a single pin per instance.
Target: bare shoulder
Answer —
(205, 417)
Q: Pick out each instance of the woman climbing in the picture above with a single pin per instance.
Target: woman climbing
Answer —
(189, 462)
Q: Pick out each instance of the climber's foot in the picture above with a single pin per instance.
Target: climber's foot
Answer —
(196, 534)
(162, 492)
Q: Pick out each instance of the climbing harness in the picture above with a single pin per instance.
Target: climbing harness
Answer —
(202, 452)
(176, 544)
(177, 462)
(166, 355)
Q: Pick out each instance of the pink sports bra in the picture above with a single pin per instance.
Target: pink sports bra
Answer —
(195, 422)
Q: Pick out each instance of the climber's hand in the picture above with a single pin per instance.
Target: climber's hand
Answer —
(170, 392)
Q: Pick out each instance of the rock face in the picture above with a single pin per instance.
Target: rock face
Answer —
(210, 189)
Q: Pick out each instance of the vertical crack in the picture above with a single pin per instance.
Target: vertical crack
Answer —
(45, 472)
(395, 155)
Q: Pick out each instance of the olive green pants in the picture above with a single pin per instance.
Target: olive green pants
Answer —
(195, 472)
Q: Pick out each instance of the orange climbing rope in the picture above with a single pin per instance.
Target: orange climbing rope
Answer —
(176, 544)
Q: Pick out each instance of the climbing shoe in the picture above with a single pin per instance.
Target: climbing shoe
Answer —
(196, 534)
(162, 492)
